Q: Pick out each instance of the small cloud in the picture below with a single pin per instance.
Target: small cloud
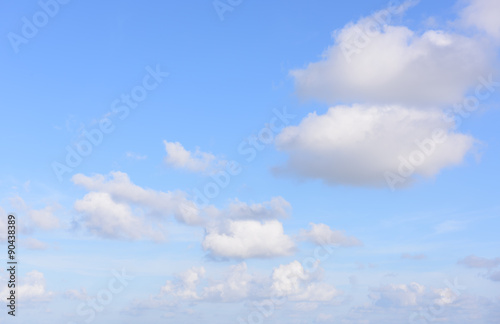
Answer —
(135, 156)
(321, 234)
(449, 226)
(473, 261)
(43, 218)
(74, 294)
(413, 256)
(180, 158)
(32, 288)
(34, 244)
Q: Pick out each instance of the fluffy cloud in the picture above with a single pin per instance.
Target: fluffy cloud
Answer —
(362, 144)
(179, 157)
(34, 244)
(121, 190)
(290, 281)
(193, 286)
(117, 208)
(435, 305)
(413, 294)
(473, 261)
(248, 230)
(75, 294)
(185, 286)
(293, 281)
(379, 63)
(237, 285)
(247, 239)
(107, 218)
(398, 295)
(277, 207)
(42, 218)
(322, 234)
(32, 288)
(401, 81)
(483, 14)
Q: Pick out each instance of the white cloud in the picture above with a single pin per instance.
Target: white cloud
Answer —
(444, 296)
(156, 203)
(473, 261)
(290, 281)
(107, 218)
(75, 294)
(378, 63)
(413, 294)
(32, 288)
(402, 295)
(192, 285)
(117, 208)
(293, 281)
(42, 218)
(34, 244)
(185, 286)
(483, 14)
(435, 305)
(135, 156)
(413, 256)
(287, 278)
(277, 207)
(247, 239)
(322, 234)
(237, 285)
(360, 144)
(197, 161)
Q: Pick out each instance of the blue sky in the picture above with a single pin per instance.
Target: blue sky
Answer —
(281, 162)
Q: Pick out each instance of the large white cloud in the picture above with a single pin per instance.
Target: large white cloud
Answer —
(361, 144)
(378, 63)
(394, 82)
(247, 239)
(483, 14)
(117, 208)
